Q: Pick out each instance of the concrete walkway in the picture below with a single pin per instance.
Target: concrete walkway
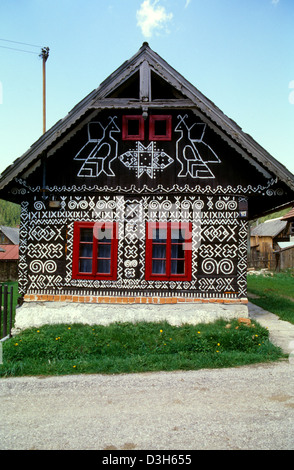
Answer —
(281, 332)
(246, 408)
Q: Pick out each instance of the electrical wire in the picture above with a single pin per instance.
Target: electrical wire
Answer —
(19, 50)
(17, 42)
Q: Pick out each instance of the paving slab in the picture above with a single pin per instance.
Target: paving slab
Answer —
(281, 333)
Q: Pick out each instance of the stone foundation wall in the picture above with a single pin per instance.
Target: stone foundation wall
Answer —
(37, 312)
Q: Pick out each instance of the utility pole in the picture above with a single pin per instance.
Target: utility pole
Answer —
(44, 55)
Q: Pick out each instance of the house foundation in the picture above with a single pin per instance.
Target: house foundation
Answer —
(36, 313)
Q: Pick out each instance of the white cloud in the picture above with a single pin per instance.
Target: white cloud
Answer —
(187, 3)
(275, 2)
(152, 17)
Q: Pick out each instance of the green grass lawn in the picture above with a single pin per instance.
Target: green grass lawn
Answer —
(141, 347)
(275, 293)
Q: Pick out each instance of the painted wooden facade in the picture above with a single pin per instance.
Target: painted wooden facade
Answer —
(144, 189)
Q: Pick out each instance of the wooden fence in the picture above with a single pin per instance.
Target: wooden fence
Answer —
(266, 260)
(277, 261)
(6, 311)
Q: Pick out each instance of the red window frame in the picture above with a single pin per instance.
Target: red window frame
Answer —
(98, 243)
(169, 257)
(152, 122)
(125, 127)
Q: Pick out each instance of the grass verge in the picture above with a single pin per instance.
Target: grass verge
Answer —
(141, 347)
(275, 293)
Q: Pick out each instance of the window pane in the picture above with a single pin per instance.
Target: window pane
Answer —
(133, 127)
(160, 127)
(85, 266)
(103, 266)
(158, 267)
(177, 251)
(104, 251)
(86, 235)
(159, 234)
(158, 251)
(104, 234)
(177, 267)
(86, 250)
(177, 234)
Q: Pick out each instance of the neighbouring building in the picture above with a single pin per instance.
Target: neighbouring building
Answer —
(142, 194)
(265, 237)
(9, 241)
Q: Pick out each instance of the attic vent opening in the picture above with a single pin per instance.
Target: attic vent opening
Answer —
(160, 89)
(129, 89)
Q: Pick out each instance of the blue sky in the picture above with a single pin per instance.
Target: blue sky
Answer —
(239, 53)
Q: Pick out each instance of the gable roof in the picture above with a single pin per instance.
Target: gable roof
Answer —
(270, 228)
(11, 233)
(9, 252)
(147, 65)
(289, 215)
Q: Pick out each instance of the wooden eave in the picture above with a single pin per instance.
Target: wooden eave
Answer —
(146, 61)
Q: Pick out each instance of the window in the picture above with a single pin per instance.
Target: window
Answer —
(94, 250)
(169, 251)
(133, 127)
(160, 127)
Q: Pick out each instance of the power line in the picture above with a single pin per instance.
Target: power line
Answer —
(19, 50)
(17, 42)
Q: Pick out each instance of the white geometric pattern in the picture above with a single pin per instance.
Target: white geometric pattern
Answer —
(219, 245)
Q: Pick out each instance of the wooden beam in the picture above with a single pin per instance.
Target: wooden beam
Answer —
(145, 82)
(120, 103)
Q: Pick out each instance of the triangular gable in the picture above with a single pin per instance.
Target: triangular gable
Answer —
(147, 81)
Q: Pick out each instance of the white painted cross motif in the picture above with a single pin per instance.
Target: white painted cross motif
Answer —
(146, 159)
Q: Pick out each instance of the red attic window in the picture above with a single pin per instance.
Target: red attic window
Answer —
(133, 127)
(160, 127)
(94, 250)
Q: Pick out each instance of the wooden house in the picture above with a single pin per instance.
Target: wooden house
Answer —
(142, 193)
(264, 238)
(286, 254)
(9, 235)
(9, 241)
(9, 262)
(289, 217)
